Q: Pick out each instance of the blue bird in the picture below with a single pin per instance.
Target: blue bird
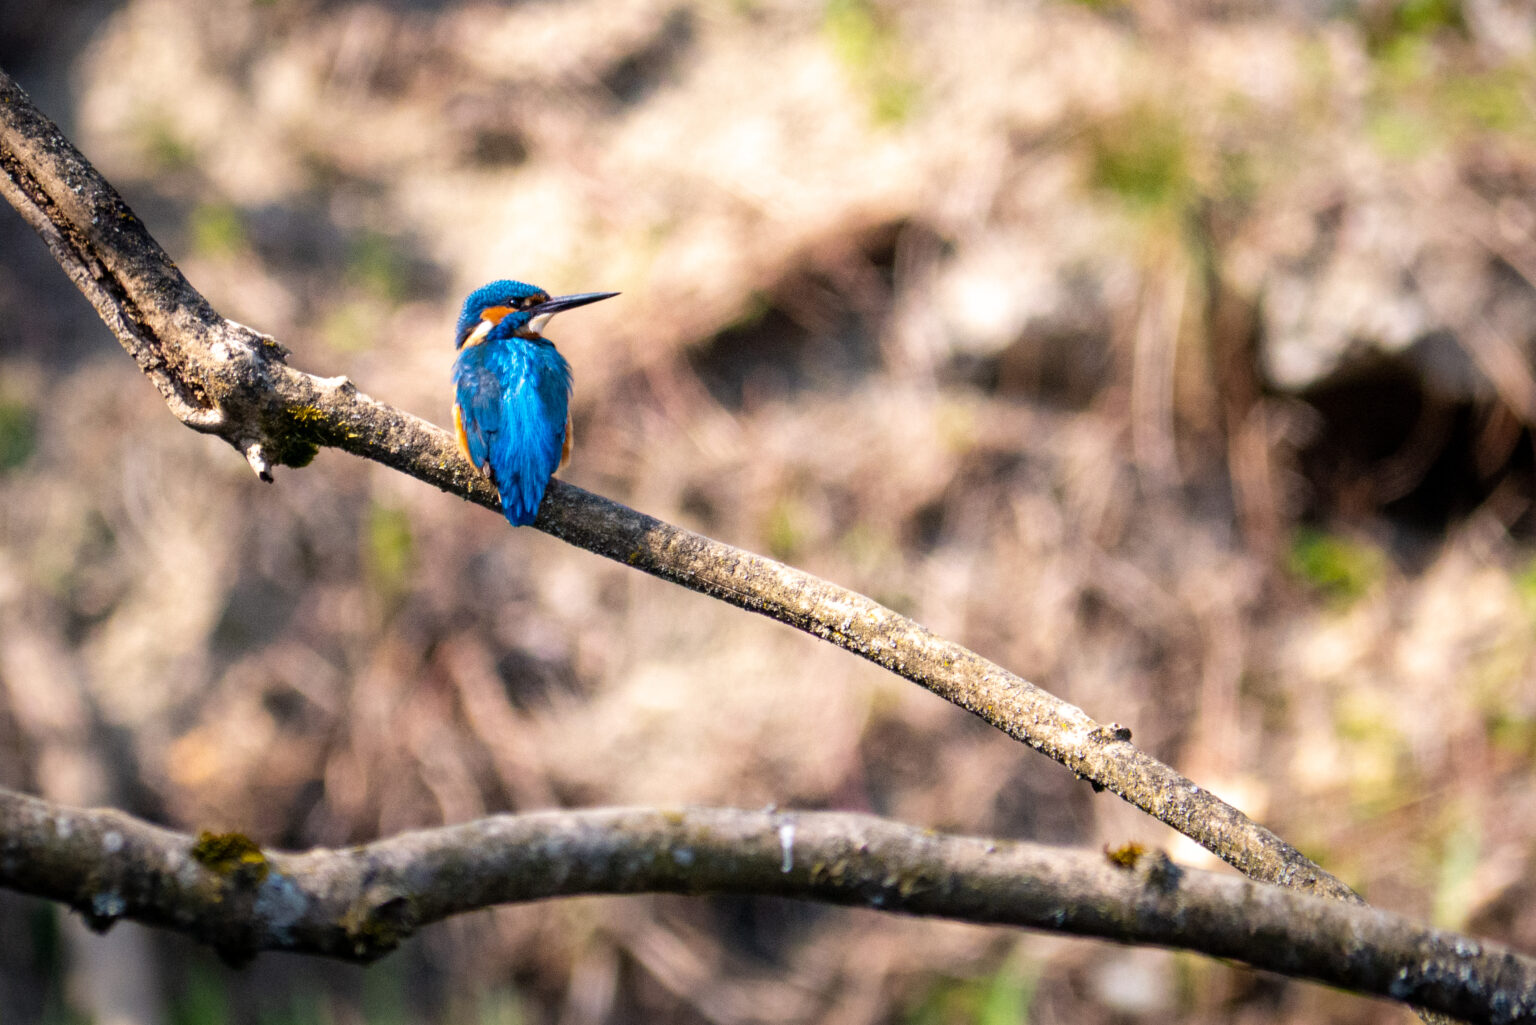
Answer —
(512, 391)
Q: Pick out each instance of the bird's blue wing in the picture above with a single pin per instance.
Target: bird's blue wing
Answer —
(477, 404)
(513, 396)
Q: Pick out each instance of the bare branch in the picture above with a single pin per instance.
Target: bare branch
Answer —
(223, 378)
(359, 903)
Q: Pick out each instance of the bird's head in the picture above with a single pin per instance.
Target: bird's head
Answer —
(521, 309)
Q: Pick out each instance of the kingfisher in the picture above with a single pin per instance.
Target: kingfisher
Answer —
(512, 391)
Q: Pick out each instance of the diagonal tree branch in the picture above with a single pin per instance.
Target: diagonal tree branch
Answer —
(223, 378)
(226, 379)
(359, 903)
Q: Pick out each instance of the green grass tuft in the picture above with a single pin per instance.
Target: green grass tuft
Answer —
(1342, 570)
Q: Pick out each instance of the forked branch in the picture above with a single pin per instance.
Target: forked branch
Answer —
(226, 379)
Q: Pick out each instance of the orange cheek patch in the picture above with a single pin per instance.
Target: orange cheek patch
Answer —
(495, 313)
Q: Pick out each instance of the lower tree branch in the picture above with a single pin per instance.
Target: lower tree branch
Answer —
(359, 903)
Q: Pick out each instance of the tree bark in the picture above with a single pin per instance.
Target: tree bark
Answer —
(359, 903)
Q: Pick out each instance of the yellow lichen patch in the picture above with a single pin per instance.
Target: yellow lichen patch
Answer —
(1126, 855)
(229, 853)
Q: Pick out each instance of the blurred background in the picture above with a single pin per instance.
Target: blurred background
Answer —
(1177, 356)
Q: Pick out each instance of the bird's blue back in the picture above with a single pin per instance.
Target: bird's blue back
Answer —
(513, 394)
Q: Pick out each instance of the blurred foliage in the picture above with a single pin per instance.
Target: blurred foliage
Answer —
(386, 1000)
(352, 326)
(956, 428)
(202, 1000)
(163, 145)
(1525, 586)
(1420, 102)
(1511, 733)
(1002, 998)
(787, 528)
(306, 1005)
(1142, 158)
(18, 433)
(1461, 852)
(1341, 569)
(1398, 133)
(867, 43)
(58, 1014)
(1390, 23)
(218, 230)
(1375, 753)
(377, 264)
(499, 1006)
(1497, 101)
(1008, 997)
(390, 554)
(867, 547)
(50, 959)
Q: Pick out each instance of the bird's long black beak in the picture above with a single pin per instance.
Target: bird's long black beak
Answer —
(538, 316)
(550, 307)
